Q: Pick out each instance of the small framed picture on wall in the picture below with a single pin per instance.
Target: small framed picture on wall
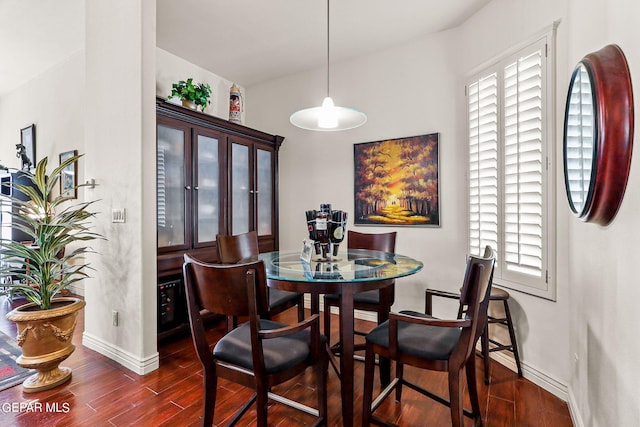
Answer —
(69, 176)
(27, 147)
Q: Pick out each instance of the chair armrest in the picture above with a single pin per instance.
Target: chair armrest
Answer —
(290, 330)
(428, 295)
(430, 321)
(394, 318)
(444, 294)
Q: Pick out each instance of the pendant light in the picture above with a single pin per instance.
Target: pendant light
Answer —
(328, 117)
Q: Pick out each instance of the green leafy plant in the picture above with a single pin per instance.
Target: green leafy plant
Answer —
(199, 93)
(45, 267)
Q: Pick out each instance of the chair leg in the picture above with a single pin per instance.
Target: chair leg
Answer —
(327, 322)
(385, 371)
(473, 390)
(210, 388)
(232, 323)
(484, 341)
(367, 397)
(399, 375)
(262, 404)
(512, 337)
(455, 397)
(383, 362)
(322, 372)
(301, 309)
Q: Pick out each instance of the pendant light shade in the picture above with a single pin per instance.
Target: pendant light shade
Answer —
(328, 117)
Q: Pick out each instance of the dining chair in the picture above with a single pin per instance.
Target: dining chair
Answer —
(258, 354)
(373, 301)
(244, 247)
(420, 340)
(497, 295)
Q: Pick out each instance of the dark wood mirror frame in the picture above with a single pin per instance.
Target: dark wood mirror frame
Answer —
(607, 172)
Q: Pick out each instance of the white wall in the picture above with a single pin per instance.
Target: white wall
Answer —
(54, 102)
(171, 68)
(496, 28)
(602, 263)
(584, 346)
(120, 135)
(405, 92)
(414, 89)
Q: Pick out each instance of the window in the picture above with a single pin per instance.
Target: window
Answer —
(510, 174)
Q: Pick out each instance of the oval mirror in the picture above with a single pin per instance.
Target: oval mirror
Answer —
(598, 135)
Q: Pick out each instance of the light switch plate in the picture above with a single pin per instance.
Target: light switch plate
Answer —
(118, 215)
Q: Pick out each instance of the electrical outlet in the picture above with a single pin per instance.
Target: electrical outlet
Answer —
(114, 317)
(118, 215)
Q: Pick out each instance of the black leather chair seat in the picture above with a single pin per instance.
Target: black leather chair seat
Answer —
(235, 347)
(429, 342)
(367, 297)
(278, 297)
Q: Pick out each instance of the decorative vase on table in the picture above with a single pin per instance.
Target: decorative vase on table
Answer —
(45, 338)
(326, 229)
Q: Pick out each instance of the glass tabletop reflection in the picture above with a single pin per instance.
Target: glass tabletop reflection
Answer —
(351, 265)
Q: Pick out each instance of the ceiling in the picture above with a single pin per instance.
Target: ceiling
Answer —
(245, 41)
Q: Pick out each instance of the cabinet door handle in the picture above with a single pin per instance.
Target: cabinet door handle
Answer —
(196, 188)
(188, 187)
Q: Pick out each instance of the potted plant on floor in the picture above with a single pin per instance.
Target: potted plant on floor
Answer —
(39, 270)
(192, 95)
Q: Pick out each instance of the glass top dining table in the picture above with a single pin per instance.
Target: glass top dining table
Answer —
(350, 272)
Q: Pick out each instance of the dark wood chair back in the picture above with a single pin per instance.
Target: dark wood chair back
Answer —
(435, 344)
(258, 354)
(385, 242)
(242, 248)
(223, 289)
(474, 301)
(233, 249)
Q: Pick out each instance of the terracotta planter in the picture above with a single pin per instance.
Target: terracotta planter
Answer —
(45, 338)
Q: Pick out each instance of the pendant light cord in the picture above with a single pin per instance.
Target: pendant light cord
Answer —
(328, 46)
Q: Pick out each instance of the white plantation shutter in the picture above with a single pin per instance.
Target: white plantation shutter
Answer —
(509, 189)
(523, 165)
(483, 163)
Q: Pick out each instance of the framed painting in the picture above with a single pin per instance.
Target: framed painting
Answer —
(69, 176)
(396, 182)
(27, 153)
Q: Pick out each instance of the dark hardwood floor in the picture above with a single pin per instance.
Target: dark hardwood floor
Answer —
(102, 393)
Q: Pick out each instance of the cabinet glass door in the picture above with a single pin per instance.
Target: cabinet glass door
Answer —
(265, 192)
(240, 189)
(206, 189)
(170, 187)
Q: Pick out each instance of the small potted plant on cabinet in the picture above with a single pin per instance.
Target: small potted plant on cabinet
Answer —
(40, 269)
(192, 95)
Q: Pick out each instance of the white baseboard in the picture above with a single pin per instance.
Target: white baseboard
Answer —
(545, 381)
(536, 376)
(126, 359)
(576, 418)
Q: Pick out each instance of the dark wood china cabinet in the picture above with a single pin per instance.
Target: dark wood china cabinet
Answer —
(213, 177)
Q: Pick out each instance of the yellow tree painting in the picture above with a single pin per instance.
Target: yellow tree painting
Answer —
(396, 181)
